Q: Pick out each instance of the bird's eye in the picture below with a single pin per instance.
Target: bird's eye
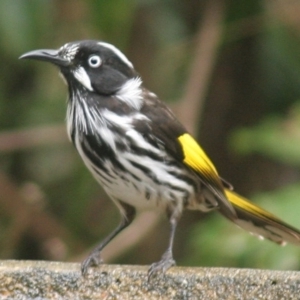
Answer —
(94, 61)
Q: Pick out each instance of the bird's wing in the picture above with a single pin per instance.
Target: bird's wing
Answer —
(169, 132)
(249, 216)
(181, 145)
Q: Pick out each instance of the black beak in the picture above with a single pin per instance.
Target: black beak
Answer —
(48, 55)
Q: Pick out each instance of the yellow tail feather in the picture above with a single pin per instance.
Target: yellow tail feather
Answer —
(260, 222)
(233, 206)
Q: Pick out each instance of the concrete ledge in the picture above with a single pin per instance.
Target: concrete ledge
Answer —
(54, 280)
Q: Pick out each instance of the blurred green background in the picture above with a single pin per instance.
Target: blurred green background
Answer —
(229, 69)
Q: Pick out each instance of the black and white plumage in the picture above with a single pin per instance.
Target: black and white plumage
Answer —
(139, 152)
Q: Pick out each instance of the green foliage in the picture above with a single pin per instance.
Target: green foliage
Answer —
(19, 21)
(275, 137)
(121, 15)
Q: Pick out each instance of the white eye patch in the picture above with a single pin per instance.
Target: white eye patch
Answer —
(94, 61)
(82, 77)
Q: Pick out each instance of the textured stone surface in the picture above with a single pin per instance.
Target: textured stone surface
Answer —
(52, 280)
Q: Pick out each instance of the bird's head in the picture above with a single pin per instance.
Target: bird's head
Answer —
(92, 65)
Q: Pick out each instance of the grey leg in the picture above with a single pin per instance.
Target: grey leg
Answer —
(94, 259)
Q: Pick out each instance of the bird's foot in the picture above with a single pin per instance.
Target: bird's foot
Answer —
(93, 260)
(161, 266)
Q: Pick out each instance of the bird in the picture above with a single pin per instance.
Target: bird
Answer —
(140, 153)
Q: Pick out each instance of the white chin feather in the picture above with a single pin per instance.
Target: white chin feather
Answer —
(81, 75)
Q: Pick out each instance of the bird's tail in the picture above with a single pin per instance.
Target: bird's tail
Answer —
(260, 222)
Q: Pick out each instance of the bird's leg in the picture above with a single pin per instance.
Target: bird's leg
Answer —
(167, 260)
(94, 259)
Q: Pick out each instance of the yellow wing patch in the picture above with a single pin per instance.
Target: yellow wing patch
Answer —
(194, 156)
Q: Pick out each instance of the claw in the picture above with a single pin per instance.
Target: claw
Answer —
(161, 266)
(93, 260)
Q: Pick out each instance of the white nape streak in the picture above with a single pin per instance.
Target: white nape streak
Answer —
(81, 75)
(117, 52)
(131, 93)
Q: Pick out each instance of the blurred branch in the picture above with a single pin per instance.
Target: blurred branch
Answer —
(286, 12)
(29, 138)
(28, 217)
(245, 27)
(207, 43)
